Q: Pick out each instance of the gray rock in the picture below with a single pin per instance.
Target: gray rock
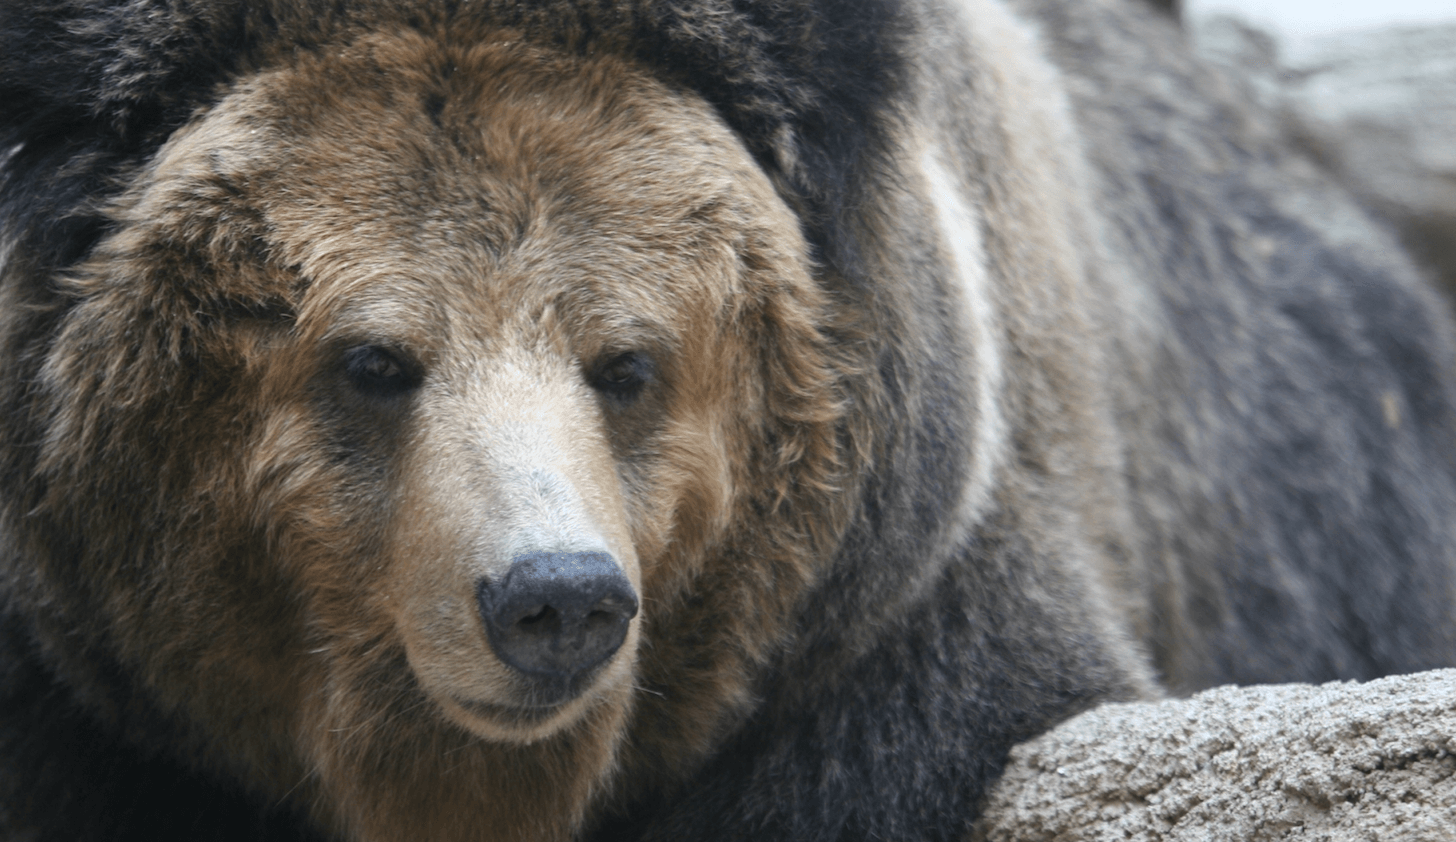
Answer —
(1335, 763)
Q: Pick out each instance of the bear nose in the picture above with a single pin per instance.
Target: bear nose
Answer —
(553, 616)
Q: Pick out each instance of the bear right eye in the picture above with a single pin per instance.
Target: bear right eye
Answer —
(378, 371)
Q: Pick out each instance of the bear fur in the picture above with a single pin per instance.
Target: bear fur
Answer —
(931, 371)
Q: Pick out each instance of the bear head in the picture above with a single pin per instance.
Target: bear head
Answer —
(429, 402)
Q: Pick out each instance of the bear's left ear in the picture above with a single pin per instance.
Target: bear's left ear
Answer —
(812, 87)
(130, 70)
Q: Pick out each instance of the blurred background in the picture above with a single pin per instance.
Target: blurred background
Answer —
(1297, 20)
(1368, 88)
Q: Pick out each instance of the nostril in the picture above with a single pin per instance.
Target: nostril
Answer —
(554, 616)
(540, 621)
(537, 616)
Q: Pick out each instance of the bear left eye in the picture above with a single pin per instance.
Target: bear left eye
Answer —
(379, 371)
(623, 376)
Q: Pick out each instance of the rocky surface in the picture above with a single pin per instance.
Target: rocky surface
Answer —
(1335, 763)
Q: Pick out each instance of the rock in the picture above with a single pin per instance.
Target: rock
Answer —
(1340, 762)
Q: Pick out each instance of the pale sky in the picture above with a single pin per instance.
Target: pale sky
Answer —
(1307, 18)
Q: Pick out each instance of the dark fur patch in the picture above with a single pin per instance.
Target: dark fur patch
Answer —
(130, 796)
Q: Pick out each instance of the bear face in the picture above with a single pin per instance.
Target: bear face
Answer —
(487, 313)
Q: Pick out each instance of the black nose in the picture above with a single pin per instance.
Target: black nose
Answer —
(554, 616)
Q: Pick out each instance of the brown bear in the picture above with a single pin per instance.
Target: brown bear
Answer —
(560, 419)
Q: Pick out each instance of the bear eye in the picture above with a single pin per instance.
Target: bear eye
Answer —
(378, 371)
(623, 376)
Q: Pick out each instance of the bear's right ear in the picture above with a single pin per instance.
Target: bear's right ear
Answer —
(130, 69)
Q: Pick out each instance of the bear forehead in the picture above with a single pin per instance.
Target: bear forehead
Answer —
(440, 163)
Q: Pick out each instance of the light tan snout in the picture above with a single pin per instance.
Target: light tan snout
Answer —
(519, 580)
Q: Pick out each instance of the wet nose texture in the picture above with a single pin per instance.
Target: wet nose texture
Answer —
(554, 616)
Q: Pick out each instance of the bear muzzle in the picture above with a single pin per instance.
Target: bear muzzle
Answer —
(554, 617)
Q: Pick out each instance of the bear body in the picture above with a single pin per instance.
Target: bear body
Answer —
(538, 421)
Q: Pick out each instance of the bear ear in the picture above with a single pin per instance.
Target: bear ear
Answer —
(128, 68)
(812, 86)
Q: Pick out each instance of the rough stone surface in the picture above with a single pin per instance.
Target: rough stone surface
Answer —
(1373, 762)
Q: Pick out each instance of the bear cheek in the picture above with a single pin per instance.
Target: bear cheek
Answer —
(513, 581)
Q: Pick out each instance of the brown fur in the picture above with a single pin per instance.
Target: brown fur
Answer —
(461, 243)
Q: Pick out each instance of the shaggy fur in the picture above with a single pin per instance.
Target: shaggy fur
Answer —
(932, 371)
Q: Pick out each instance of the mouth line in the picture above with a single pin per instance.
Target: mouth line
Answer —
(512, 714)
